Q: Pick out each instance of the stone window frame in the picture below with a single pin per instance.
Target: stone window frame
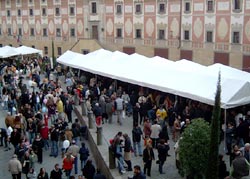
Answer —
(184, 34)
(138, 7)
(46, 50)
(8, 12)
(44, 14)
(233, 37)
(20, 31)
(31, 12)
(207, 6)
(212, 40)
(239, 7)
(57, 11)
(71, 30)
(159, 3)
(9, 30)
(121, 32)
(74, 9)
(19, 12)
(59, 50)
(159, 34)
(92, 7)
(32, 31)
(58, 33)
(120, 5)
(190, 6)
(45, 32)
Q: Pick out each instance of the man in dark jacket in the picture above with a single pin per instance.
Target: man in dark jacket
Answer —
(240, 167)
(136, 137)
(148, 157)
(56, 173)
(162, 154)
(138, 174)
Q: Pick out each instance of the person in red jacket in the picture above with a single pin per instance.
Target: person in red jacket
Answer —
(44, 132)
(68, 162)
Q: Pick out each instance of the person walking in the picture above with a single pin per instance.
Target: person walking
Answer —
(68, 162)
(37, 146)
(136, 137)
(84, 154)
(89, 170)
(15, 167)
(155, 131)
(74, 150)
(43, 174)
(127, 151)
(162, 149)
(148, 157)
(56, 173)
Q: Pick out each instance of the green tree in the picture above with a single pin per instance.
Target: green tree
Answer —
(213, 162)
(53, 55)
(193, 149)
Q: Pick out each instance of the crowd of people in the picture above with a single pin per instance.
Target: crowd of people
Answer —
(40, 118)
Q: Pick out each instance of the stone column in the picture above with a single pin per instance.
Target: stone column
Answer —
(99, 135)
(112, 164)
(84, 108)
(90, 119)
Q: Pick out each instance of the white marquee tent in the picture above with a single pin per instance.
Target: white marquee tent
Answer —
(24, 50)
(195, 81)
(8, 51)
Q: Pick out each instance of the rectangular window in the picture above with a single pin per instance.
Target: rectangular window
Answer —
(31, 1)
(20, 32)
(118, 9)
(209, 37)
(45, 34)
(31, 12)
(237, 4)
(72, 32)
(18, 1)
(138, 33)
(57, 11)
(33, 46)
(187, 7)
(9, 31)
(138, 9)
(162, 8)
(32, 32)
(119, 33)
(46, 50)
(19, 12)
(186, 35)
(0, 31)
(8, 13)
(59, 50)
(93, 8)
(58, 32)
(72, 11)
(1, 45)
(44, 13)
(43, 1)
(161, 34)
(210, 5)
(236, 37)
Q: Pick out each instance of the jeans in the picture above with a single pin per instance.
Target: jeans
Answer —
(83, 163)
(120, 164)
(68, 172)
(161, 166)
(37, 106)
(76, 164)
(54, 148)
(31, 137)
(137, 145)
(46, 144)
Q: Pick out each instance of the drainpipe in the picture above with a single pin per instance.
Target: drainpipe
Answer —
(180, 22)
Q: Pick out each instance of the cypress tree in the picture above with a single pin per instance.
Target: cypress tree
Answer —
(213, 156)
(53, 55)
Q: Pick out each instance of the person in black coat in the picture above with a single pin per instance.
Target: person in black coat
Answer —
(99, 175)
(89, 170)
(68, 110)
(148, 157)
(162, 154)
(136, 112)
(37, 146)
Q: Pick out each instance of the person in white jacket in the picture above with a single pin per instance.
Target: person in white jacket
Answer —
(15, 167)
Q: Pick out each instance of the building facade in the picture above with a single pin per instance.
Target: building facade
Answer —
(205, 31)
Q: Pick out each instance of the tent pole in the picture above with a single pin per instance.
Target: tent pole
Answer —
(225, 128)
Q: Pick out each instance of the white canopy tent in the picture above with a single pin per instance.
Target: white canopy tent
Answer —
(196, 84)
(24, 50)
(8, 51)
